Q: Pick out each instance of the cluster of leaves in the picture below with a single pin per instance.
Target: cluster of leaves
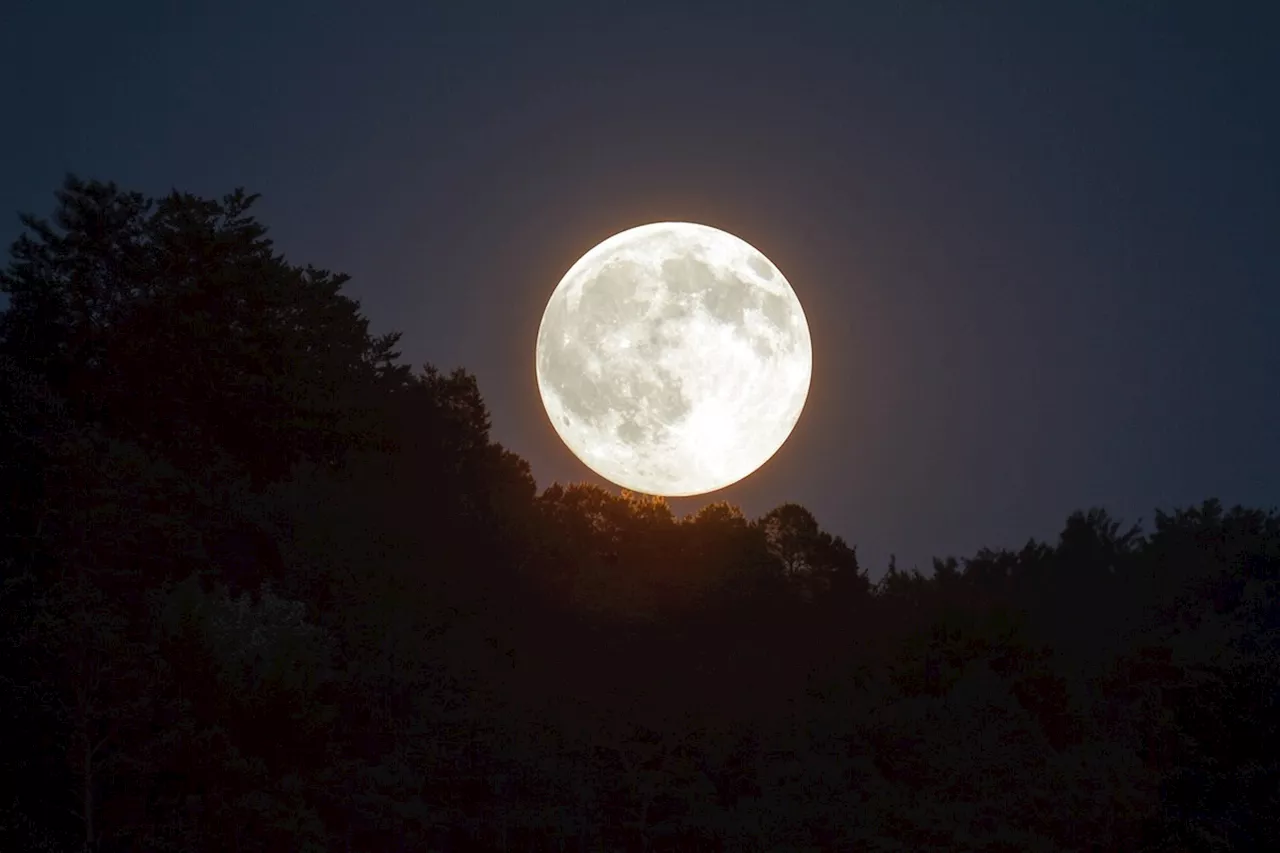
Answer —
(265, 588)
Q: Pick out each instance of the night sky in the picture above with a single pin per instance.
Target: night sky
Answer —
(1038, 244)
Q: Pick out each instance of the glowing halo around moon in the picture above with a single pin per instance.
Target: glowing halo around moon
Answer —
(674, 359)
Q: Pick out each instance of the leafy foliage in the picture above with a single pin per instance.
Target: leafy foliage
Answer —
(265, 588)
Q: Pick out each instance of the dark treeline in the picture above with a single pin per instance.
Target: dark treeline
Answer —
(267, 589)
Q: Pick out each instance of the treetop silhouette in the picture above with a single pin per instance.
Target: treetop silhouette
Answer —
(267, 588)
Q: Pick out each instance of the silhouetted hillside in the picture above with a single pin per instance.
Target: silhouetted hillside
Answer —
(267, 589)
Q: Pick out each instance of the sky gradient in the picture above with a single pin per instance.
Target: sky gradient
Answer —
(1038, 243)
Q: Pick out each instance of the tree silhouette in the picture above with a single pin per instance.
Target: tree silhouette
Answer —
(266, 588)
(118, 296)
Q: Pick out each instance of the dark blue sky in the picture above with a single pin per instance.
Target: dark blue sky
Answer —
(1038, 243)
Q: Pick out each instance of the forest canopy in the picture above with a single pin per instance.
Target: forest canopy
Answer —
(267, 588)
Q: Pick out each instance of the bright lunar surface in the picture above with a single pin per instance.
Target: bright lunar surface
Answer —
(674, 359)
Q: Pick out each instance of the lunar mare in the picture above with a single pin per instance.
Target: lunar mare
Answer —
(674, 359)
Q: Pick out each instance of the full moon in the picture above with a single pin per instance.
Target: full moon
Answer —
(674, 359)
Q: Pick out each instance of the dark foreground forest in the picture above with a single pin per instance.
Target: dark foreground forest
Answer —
(267, 589)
